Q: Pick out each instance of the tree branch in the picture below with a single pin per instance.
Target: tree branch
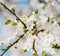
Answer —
(16, 19)
(35, 54)
(13, 44)
(13, 13)
(42, 30)
(18, 40)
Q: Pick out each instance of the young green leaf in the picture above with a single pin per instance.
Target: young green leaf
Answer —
(44, 54)
(36, 11)
(58, 23)
(24, 29)
(56, 46)
(43, 7)
(34, 22)
(13, 9)
(7, 22)
(14, 23)
(28, 16)
(4, 49)
(34, 27)
(48, 19)
(8, 47)
(25, 50)
(15, 47)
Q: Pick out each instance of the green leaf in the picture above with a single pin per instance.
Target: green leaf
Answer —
(7, 22)
(21, 36)
(14, 23)
(25, 50)
(48, 19)
(24, 29)
(13, 9)
(8, 47)
(44, 54)
(28, 16)
(56, 46)
(43, 7)
(34, 27)
(34, 22)
(3, 49)
(36, 11)
(58, 23)
(15, 47)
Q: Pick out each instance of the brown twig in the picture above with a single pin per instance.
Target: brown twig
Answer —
(34, 32)
(35, 54)
(42, 30)
(13, 13)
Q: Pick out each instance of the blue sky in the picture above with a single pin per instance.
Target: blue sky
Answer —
(1, 24)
